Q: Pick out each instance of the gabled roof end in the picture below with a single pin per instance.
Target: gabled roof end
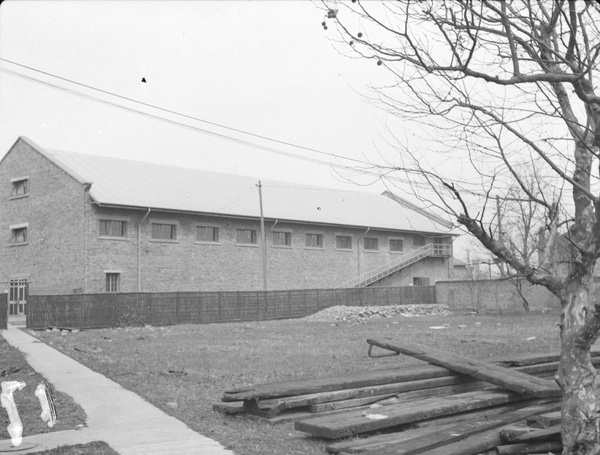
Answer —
(49, 157)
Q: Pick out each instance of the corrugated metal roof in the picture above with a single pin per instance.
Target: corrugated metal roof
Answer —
(139, 184)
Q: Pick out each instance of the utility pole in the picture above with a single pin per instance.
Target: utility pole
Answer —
(263, 236)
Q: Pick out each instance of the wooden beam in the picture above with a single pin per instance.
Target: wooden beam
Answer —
(537, 435)
(356, 445)
(318, 385)
(545, 420)
(507, 378)
(278, 405)
(357, 422)
(371, 379)
(530, 447)
(532, 359)
(434, 438)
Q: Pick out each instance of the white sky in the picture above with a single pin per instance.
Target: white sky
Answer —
(265, 67)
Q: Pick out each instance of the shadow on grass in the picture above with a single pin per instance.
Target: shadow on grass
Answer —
(91, 448)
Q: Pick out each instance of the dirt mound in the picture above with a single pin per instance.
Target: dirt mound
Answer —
(362, 314)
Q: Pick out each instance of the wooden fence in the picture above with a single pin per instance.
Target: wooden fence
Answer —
(110, 310)
(3, 310)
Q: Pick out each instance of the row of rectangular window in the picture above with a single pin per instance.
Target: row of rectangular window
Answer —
(164, 231)
(210, 234)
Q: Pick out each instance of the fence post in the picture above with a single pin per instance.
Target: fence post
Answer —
(220, 314)
(266, 294)
(305, 297)
(239, 310)
(200, 312)
(150, 307)
(258, 306)
(4, 312)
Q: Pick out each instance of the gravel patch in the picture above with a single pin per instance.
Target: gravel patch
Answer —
(362, 314)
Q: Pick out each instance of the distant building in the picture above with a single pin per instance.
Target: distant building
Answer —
(82, 223)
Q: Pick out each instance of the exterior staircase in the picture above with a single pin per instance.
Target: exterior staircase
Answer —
(437, 250)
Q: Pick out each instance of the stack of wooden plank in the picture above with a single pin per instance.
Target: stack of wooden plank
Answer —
(456, 405)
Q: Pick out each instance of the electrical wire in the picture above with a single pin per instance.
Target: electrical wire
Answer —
(195, 128)
(106, 92)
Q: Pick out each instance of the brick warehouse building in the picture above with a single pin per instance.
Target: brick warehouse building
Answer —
(83, 223)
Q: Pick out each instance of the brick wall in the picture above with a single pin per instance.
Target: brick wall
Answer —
(435, 269)
(52, 257)
(188, 265)
(65, 252)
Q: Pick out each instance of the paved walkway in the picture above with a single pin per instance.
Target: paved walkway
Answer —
(129, 424)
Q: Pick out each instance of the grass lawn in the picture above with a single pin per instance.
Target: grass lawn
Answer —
(92, 448)
(184, 369)
(14, 367)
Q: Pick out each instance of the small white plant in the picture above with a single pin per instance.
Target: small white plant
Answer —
(15, 428)
(44, 394)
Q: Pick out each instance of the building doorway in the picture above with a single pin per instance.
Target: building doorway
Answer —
(17, 296)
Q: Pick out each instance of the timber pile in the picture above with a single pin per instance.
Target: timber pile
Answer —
(455, 405)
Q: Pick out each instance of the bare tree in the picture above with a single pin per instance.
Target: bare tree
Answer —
(518, 222)
(497, 86)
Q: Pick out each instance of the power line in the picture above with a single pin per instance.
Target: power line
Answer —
(366, 169)
(162, 109)
(195, 128)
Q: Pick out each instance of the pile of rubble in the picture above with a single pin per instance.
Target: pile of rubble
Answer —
(362, 314)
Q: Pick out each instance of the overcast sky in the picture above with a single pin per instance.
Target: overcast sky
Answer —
(262, 67)
(71, 78)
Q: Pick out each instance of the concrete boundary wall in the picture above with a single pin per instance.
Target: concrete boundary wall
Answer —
(494, 296)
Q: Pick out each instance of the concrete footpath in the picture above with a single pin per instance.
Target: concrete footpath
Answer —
(122, 419)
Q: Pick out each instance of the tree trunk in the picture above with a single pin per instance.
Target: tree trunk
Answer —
(576, 374)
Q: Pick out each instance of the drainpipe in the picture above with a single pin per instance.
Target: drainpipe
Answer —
(87, 212)
(140, 250)
(263, 234)
(358, 249)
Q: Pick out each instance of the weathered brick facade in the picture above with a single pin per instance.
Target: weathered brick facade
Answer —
(52, 259)
(66, 251)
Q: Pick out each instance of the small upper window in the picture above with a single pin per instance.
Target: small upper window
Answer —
(246, 236)
(113, 228)
(18, 235)
(20, 187)
(164, 231)
(207, 234)
(396, 245)
(282, 238)
(314, 240)
(371, 244)
(343, 242)
(418, 240)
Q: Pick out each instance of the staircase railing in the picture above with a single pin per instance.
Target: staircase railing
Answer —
(376, 274)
